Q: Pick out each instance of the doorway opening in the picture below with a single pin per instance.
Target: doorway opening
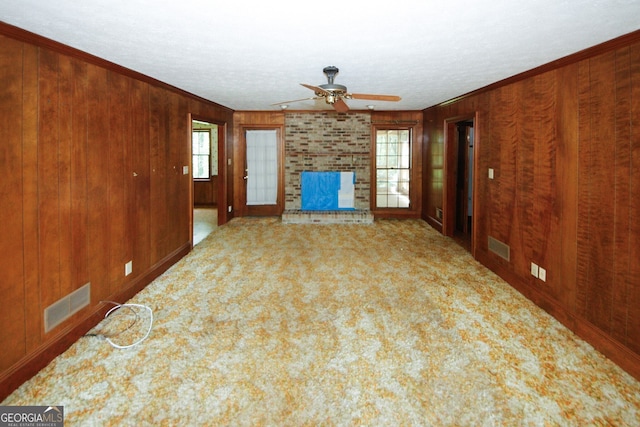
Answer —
(207, 140)
(459, 152)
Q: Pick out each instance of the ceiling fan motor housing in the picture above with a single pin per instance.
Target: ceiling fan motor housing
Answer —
(336, 89)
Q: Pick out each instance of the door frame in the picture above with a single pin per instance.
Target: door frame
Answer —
(450, 165)
(413, 170)
(262, 210)
(221, 194)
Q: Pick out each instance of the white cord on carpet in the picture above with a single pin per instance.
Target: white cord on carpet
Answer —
(119, 306)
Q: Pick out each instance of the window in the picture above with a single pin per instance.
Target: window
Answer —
(393, 168)
(201, 141)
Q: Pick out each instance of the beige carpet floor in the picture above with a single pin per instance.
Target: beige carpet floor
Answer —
(265, 323)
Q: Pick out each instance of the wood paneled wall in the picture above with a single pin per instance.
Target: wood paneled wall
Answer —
(205, 193)
(565, 147)
(92, 178)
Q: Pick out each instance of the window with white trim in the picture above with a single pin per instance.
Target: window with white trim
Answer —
(201, 139)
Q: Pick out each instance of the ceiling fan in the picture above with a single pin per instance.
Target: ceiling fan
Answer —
(335, 94)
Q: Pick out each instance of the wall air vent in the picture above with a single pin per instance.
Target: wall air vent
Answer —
(499, 248)
(66, 306)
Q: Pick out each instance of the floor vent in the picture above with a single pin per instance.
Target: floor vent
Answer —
(499, 248)
(66, 306)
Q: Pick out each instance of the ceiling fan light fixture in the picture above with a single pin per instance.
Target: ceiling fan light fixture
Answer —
(330, 99)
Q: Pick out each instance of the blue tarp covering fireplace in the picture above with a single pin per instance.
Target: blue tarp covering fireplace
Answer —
(327, 191)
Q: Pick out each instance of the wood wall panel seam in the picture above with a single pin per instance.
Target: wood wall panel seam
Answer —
(32, 312)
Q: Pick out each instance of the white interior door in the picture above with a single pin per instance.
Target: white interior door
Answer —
(261, 172)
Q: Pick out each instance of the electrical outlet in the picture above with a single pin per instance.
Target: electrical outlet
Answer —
(229, 209)
(491, 174)
(534, 270)
(185, 170)
(128, 268)
(542, 274)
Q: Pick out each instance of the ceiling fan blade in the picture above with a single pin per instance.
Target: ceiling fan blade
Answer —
(340, 106)
(372, 97)
(296, 100)
(316, 89)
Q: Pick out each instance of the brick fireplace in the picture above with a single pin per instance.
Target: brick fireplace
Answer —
(327, 141)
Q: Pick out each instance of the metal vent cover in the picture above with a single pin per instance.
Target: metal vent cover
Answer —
(499, 248)
(66, 306)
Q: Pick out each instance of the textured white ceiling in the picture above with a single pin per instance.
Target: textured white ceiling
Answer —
(249, 54)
